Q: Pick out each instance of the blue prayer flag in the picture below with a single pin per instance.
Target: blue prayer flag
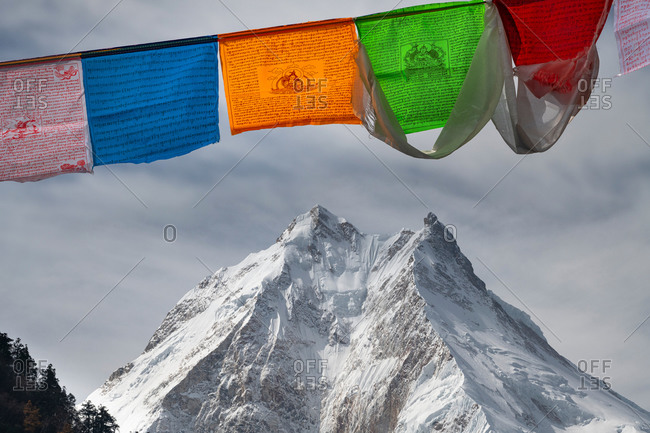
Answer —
(154, 104)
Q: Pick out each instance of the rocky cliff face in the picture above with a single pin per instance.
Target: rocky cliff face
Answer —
(332, 330)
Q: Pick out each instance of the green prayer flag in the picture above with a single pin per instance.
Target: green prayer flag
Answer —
(476, 103)
(420, 56)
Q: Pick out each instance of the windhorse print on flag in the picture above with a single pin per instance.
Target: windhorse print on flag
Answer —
(427, 67)
(147, 103)
(632, 30)
(292, 75)
(43, 126)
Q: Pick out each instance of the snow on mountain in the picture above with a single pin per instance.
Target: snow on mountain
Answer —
(333, 330)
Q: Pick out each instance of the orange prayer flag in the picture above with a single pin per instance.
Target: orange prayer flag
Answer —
(301, 74)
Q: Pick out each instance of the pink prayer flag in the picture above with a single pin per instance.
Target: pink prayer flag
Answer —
(43, 124)
(632, 30)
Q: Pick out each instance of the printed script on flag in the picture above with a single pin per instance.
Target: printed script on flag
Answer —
(420, 56)
(549, 30)
(43, 127)
(154, 104)
(632, 30)
(294, 75)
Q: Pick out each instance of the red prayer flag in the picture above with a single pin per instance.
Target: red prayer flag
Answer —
(549, 30)
(553, 45)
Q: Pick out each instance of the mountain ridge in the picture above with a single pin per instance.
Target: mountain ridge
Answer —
(399, 332)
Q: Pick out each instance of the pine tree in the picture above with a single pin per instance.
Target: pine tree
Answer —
(105, 421)
(52, 401)
(87, 415)
(32, 421)
(33, 401)
(96, 420)
(15, 362)
(71, 403)
(11, 416)
(6, 362)
(24, 367)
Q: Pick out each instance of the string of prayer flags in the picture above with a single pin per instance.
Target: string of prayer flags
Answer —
(43, 129)
(446, 65)
(474, 104)
(632, 30)
(556, 63)
(291, 75)
(151, 103)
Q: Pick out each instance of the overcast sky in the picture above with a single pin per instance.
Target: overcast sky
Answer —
(566, 233)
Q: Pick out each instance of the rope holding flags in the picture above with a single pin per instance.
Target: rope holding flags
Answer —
(443, 65)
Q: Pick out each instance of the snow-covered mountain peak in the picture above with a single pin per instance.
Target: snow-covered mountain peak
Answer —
(431, 220)
(333, 330)
(318, 223)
